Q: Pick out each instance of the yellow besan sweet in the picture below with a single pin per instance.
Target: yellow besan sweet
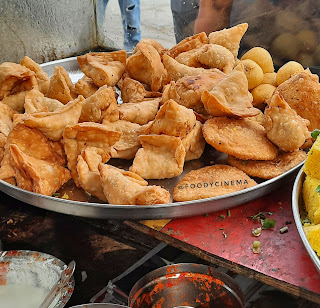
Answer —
(313, 235)
(312, 164)
(311, 198)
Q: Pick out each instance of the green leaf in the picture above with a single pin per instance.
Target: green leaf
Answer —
(318, 189)
(267, 223)
(56, 195)
(315, 133)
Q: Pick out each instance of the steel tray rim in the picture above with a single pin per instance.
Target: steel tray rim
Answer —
(296, 193)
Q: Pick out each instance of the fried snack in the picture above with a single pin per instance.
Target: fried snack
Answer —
(88, 134)
(284, 126)
(189, 58)
(33, 143)
(253, 73)
(104, 68)
(122, 188)
(94, 105)
(188, 43)
(302, 93)
(61, 86)
(36, 175)
(146, 66)
(15, 78)
(216, 56)
(262, 57)
(259, 118)
(132, 91)
(172, 119)
(151, 42)
(177, 70)
(85, 86)
(6, 125)
(16, 101)
(41, 76)
(128, 145)
(229, 38)
(270, 78)
(187, 91)
(194, 143)
(288, 70)
(160, 157)
(242, 138)
(210, 182)
(268, 169)
(35, 101)
(261, 94)
(140, 113)
(230, 96)
(52, 124)
(88, 171)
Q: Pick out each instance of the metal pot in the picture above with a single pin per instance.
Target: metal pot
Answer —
(186, 285)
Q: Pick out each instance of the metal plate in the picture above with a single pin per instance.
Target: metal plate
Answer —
(132, 212)
(299, 214)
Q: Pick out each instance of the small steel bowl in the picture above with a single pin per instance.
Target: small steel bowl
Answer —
(186, 285)
(35, 269)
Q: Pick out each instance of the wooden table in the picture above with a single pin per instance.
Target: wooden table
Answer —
(227, 241)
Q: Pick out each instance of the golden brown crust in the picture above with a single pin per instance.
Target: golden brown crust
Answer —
(268, 169)
(242, 138)
(210, 182)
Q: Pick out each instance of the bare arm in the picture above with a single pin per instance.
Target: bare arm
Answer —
(213, 15)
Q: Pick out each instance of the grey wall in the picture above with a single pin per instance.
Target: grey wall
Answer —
(46, 30)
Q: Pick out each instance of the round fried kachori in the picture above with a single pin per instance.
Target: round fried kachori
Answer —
(211, 181)
(268, 169)
(242, 138)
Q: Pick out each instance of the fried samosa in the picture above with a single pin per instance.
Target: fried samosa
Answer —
(52, 124)
(229, 38)
(97, 103)
(35, 101)
(85, 86)
(140, 113)
(104, 68)
(160, 157)
(230, 96)
(41, 76)
(284, 126)
(36, 175)
(61, 86)
(88, 172)
(122, 188)
(146, 66)
(87, 134)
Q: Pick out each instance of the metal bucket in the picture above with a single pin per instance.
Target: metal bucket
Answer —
(186, 285)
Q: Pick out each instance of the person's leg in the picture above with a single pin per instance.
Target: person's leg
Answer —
(130, 11)
(101, 6)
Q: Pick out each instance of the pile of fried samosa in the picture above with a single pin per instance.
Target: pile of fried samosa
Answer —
(174, 102)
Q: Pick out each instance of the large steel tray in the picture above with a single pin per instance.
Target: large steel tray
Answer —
(132, 212)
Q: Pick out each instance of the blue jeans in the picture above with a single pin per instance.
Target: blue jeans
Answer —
(130, 13)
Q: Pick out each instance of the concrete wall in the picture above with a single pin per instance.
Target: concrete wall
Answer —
(46, 30)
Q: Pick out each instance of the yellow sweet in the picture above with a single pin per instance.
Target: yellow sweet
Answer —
(262, 57)
(311, 198)
(313, 235)
(288, 70)
(312, 164)
(253, 73)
